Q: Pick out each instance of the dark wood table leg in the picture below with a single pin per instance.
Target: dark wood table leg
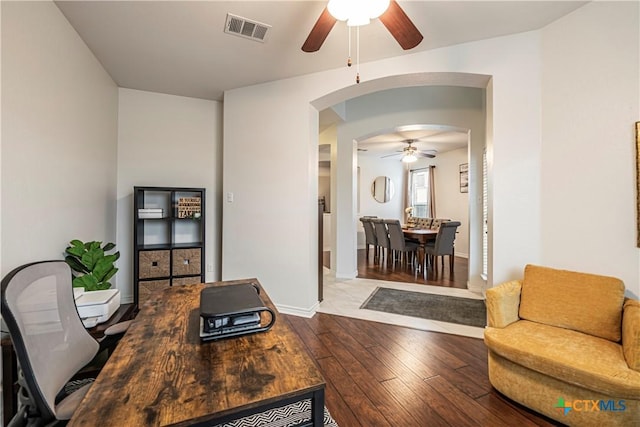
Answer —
(424, 261)
(317, 408)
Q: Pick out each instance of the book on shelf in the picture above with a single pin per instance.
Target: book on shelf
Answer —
(150, 213)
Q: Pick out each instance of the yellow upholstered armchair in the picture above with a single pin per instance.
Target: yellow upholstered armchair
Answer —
(567, 345)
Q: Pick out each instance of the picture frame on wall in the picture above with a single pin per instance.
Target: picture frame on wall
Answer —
(464, 178)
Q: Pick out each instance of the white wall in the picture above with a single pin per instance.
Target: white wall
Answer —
(168, 141)
(450, 202)
(591, 93)
(370, 169)
(59, 137)
(279, 241)
(1, 270)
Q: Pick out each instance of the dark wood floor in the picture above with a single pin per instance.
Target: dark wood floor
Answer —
(368, 268)
(385, 375)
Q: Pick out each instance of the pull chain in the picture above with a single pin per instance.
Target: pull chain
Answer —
(358, 54)
(349, 58)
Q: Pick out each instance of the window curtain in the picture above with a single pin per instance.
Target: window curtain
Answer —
(432, 192)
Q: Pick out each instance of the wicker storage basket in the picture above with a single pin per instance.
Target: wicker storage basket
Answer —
(186, 262)
(153, 264)
(181, 281)
(149, 287)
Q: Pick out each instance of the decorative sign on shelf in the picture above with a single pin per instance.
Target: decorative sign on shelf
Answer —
(189, 207)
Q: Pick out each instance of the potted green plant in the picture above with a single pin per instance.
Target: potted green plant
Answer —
(92, 266)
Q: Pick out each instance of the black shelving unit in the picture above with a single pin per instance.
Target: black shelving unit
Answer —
(168, 238)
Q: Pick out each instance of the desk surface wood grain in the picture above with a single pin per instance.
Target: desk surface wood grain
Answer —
(162, 374)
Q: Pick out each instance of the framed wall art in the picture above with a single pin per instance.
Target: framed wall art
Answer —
(464, 178)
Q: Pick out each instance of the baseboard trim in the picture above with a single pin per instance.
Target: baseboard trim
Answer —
(297, 311)
(346, 276)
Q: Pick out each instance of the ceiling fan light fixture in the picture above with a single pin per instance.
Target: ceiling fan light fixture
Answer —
(409, 158)
(357, 12)
(377, 7)
(358, 20)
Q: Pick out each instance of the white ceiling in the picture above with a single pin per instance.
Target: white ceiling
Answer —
(179, 47)
(431, 138)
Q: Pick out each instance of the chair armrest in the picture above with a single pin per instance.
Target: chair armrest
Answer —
(503, 302)
(112, 335)
(118, 328)
(631, 333)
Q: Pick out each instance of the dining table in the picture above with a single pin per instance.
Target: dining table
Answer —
(423, 236)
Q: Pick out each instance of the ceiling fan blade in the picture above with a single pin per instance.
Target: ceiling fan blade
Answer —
(400, 26)
(429, 155)
(390, 155)
(319, 32)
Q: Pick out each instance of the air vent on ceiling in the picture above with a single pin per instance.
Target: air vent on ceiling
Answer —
(246, 28)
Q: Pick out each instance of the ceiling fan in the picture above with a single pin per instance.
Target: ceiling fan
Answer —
(411, 153)
(393, 18)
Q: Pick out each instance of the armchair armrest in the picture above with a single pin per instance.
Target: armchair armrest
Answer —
(631, 333)
(503, 302)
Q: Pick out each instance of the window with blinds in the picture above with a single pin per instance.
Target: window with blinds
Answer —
(420, 192)
(485, 216)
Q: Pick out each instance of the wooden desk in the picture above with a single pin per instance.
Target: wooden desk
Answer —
(10, 367)
(423, 236)
(162, 374)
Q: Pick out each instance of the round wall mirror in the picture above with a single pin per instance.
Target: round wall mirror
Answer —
(382, 189)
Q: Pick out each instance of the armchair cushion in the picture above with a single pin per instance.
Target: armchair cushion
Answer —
(580, 359)
(67, 406)
(582, 302)
(503, 302)
(631, 333)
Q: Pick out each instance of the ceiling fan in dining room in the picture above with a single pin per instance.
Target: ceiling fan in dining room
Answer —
(410, 153)
(359, 12)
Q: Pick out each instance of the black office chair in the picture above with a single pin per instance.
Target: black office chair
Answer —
(49, 339)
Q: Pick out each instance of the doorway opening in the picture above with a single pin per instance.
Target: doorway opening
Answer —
(436, 101)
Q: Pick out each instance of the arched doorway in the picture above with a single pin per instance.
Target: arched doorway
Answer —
(346, 210)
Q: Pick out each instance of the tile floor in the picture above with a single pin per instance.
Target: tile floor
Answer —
(344, 298)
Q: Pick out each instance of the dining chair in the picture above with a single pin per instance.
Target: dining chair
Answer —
(370, 236)
(50, 341)
(436, 222)
(398, 243)
(382, 237)
(443, 245)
